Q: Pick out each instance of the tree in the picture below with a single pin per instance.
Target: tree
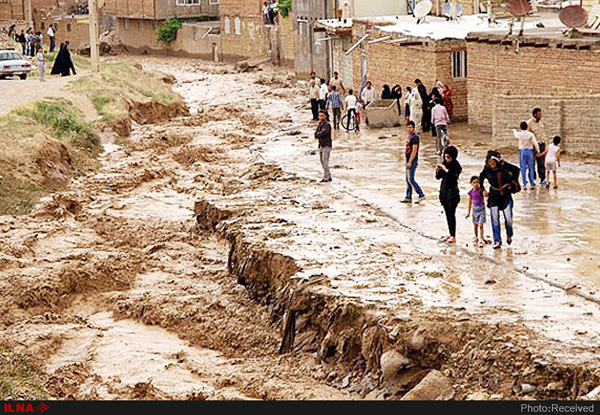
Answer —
(167, 33)
(285, 7)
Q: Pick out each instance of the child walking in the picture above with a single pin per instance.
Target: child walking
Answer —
(552, 160)
(477, 206)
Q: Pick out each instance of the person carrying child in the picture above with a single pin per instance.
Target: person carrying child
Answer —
(477, 207)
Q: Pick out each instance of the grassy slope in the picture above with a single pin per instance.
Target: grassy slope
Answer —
(32, 134)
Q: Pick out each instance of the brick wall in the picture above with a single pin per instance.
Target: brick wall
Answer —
(287, 33)
(68, 29)
(574, 118)
(158, 9)
(251, 42)
(241, 7)
(11, 11)
(496, 69)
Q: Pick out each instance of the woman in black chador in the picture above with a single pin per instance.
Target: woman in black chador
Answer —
(63, 64)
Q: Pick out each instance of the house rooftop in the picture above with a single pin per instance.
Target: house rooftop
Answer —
(552, 36)
(440, 28)
(433, 27)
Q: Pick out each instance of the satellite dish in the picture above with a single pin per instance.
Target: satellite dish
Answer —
(573, 16)
(423, 8)
(519, 8)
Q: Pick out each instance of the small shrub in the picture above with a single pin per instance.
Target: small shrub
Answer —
(167, 33)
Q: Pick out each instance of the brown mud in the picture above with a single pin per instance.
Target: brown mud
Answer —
(190, 266)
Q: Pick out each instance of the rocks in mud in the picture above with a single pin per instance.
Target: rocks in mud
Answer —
(434, 387)
(249, 65)
(391, 362)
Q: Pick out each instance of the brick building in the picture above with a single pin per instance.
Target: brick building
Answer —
(244, 34)
(396, 50)
(14, 10)
(137, 23)
(313, 50)
(545, 69)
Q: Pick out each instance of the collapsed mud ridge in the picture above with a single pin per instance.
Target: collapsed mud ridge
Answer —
(429, 356)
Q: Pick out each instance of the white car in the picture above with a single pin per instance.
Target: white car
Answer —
(12, 63)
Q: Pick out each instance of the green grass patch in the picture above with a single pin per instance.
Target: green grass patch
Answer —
(19, 376)
(65, 121)
(27, 136)
(116, 83)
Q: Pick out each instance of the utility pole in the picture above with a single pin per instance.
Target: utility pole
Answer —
(28, 14)
(94, 48)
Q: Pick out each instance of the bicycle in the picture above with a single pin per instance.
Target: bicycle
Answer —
(350, 122)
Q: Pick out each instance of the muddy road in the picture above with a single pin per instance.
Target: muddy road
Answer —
(205, 245)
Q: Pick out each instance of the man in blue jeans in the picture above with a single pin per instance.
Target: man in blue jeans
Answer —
(528, 146)
(412, 161)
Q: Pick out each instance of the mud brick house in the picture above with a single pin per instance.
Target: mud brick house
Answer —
(396, 50)
(244, 34)
(14, 11)
(137, 23)
(546, 69)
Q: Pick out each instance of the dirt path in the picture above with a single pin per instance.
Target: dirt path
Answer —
(14, 92)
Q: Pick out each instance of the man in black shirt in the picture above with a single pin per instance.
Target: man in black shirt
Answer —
(323, 134)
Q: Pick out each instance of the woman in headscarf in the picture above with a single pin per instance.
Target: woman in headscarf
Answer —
(448, 172)
(501, 179)
(446, 98)
(386, 93)
(407, 103)
(63, 65)
(415, 108)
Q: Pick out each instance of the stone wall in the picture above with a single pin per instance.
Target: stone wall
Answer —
(574, 118)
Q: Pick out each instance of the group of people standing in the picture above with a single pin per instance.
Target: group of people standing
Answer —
(31, 41)
(270, 11)
(501, 177)
(492, 188)
(33, 46)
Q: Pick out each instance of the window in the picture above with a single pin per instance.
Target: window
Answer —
(459, 64)
(125, 23)
(188, 2)
(140, 25)
(68, 27)
(238, 26)
(227, 25)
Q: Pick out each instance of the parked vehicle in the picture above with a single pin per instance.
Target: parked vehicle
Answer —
(12, 63)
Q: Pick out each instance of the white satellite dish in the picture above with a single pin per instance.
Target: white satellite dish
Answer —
(422, 9)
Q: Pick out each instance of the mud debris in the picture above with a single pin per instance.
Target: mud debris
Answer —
(185, 246)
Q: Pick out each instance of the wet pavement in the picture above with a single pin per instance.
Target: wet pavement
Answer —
(557, 231)
(547, 278)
